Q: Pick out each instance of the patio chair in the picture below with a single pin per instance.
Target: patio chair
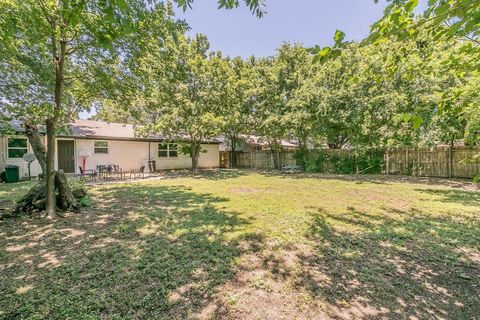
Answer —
(118, 171)
(139, 172)
(92, 174)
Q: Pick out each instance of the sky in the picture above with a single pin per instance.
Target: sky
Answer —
(239, 33)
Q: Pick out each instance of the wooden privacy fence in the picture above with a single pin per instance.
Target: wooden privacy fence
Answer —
(258, 159)
(427, 162)
(433, 162)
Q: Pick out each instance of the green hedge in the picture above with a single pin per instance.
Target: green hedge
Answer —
(366, 162)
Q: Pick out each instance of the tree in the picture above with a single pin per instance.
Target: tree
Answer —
(177, 92)
(47, 47)
(294, 67)
(269, 107)
(458, 20)
(256, 6)
(233, 79)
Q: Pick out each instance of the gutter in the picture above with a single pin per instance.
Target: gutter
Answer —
(131, 139)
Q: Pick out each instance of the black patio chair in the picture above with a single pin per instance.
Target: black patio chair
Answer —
(92, 174)
(139, 172)
(118, 171)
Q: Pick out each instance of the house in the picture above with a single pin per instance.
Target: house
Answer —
(89, 143)
(252, 143)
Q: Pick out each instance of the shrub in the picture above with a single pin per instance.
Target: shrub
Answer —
(301, 157)
(343, 164)
(85, 201)
(76, 183)
(368, 162)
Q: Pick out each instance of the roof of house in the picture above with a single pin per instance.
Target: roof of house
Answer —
(91, 129)
(261, 141)
(255, 140)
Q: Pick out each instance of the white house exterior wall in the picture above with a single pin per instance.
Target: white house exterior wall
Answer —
(209, 159)
(2, 153)
(23, 167)
(127, 154)
(133, 154)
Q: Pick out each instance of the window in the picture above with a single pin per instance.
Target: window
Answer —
(17, 147)
(167, 150)
(100, 147)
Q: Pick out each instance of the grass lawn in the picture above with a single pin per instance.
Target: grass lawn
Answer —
(249, 245)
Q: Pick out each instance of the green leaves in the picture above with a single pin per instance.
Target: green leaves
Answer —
(257, 7)
(415, 120)
(339, 37)
(410, 5)
(322, 55)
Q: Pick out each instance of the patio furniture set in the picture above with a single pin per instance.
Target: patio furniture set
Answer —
(109, 172)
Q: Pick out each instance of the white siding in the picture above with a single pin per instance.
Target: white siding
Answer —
(209, 159)
(127, 154)
(23, 167)
(2, 154)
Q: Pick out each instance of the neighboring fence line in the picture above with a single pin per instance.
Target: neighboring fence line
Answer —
(436, 162)
(428, 162)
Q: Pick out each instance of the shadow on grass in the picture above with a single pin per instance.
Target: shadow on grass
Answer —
(393, 268)
(375, 179)
(12, 192)
(455, 196)
(142, 252)
(207, 174)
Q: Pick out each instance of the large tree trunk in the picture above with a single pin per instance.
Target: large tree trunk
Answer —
(275, 154)
(37, 198)
(34, 200)
(195, 155)
(58, 54)
(38, 147)
(50, 200)
(66, 199)
(233, 141)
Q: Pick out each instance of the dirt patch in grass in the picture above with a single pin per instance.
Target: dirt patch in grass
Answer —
(250, 190)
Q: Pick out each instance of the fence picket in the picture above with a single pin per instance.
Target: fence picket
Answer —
(427, 162)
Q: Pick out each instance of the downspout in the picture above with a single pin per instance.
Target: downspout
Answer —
(4, 144)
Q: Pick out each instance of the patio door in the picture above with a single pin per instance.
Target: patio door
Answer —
(66, 155)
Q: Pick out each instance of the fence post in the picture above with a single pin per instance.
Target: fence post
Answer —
(406, 161)
(418, 162)
(388, 162)
(450, 162)
(355, 160)
(447, 161)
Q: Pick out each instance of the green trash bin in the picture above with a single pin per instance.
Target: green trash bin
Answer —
(12, 173)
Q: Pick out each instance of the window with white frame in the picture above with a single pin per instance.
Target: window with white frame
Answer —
(167, 150)
(17, 147)
(100, 147)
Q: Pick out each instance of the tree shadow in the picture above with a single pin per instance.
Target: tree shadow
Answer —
(375, 179)
(141, 252)
(207, 174)
(467, 198)
(414, 266)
